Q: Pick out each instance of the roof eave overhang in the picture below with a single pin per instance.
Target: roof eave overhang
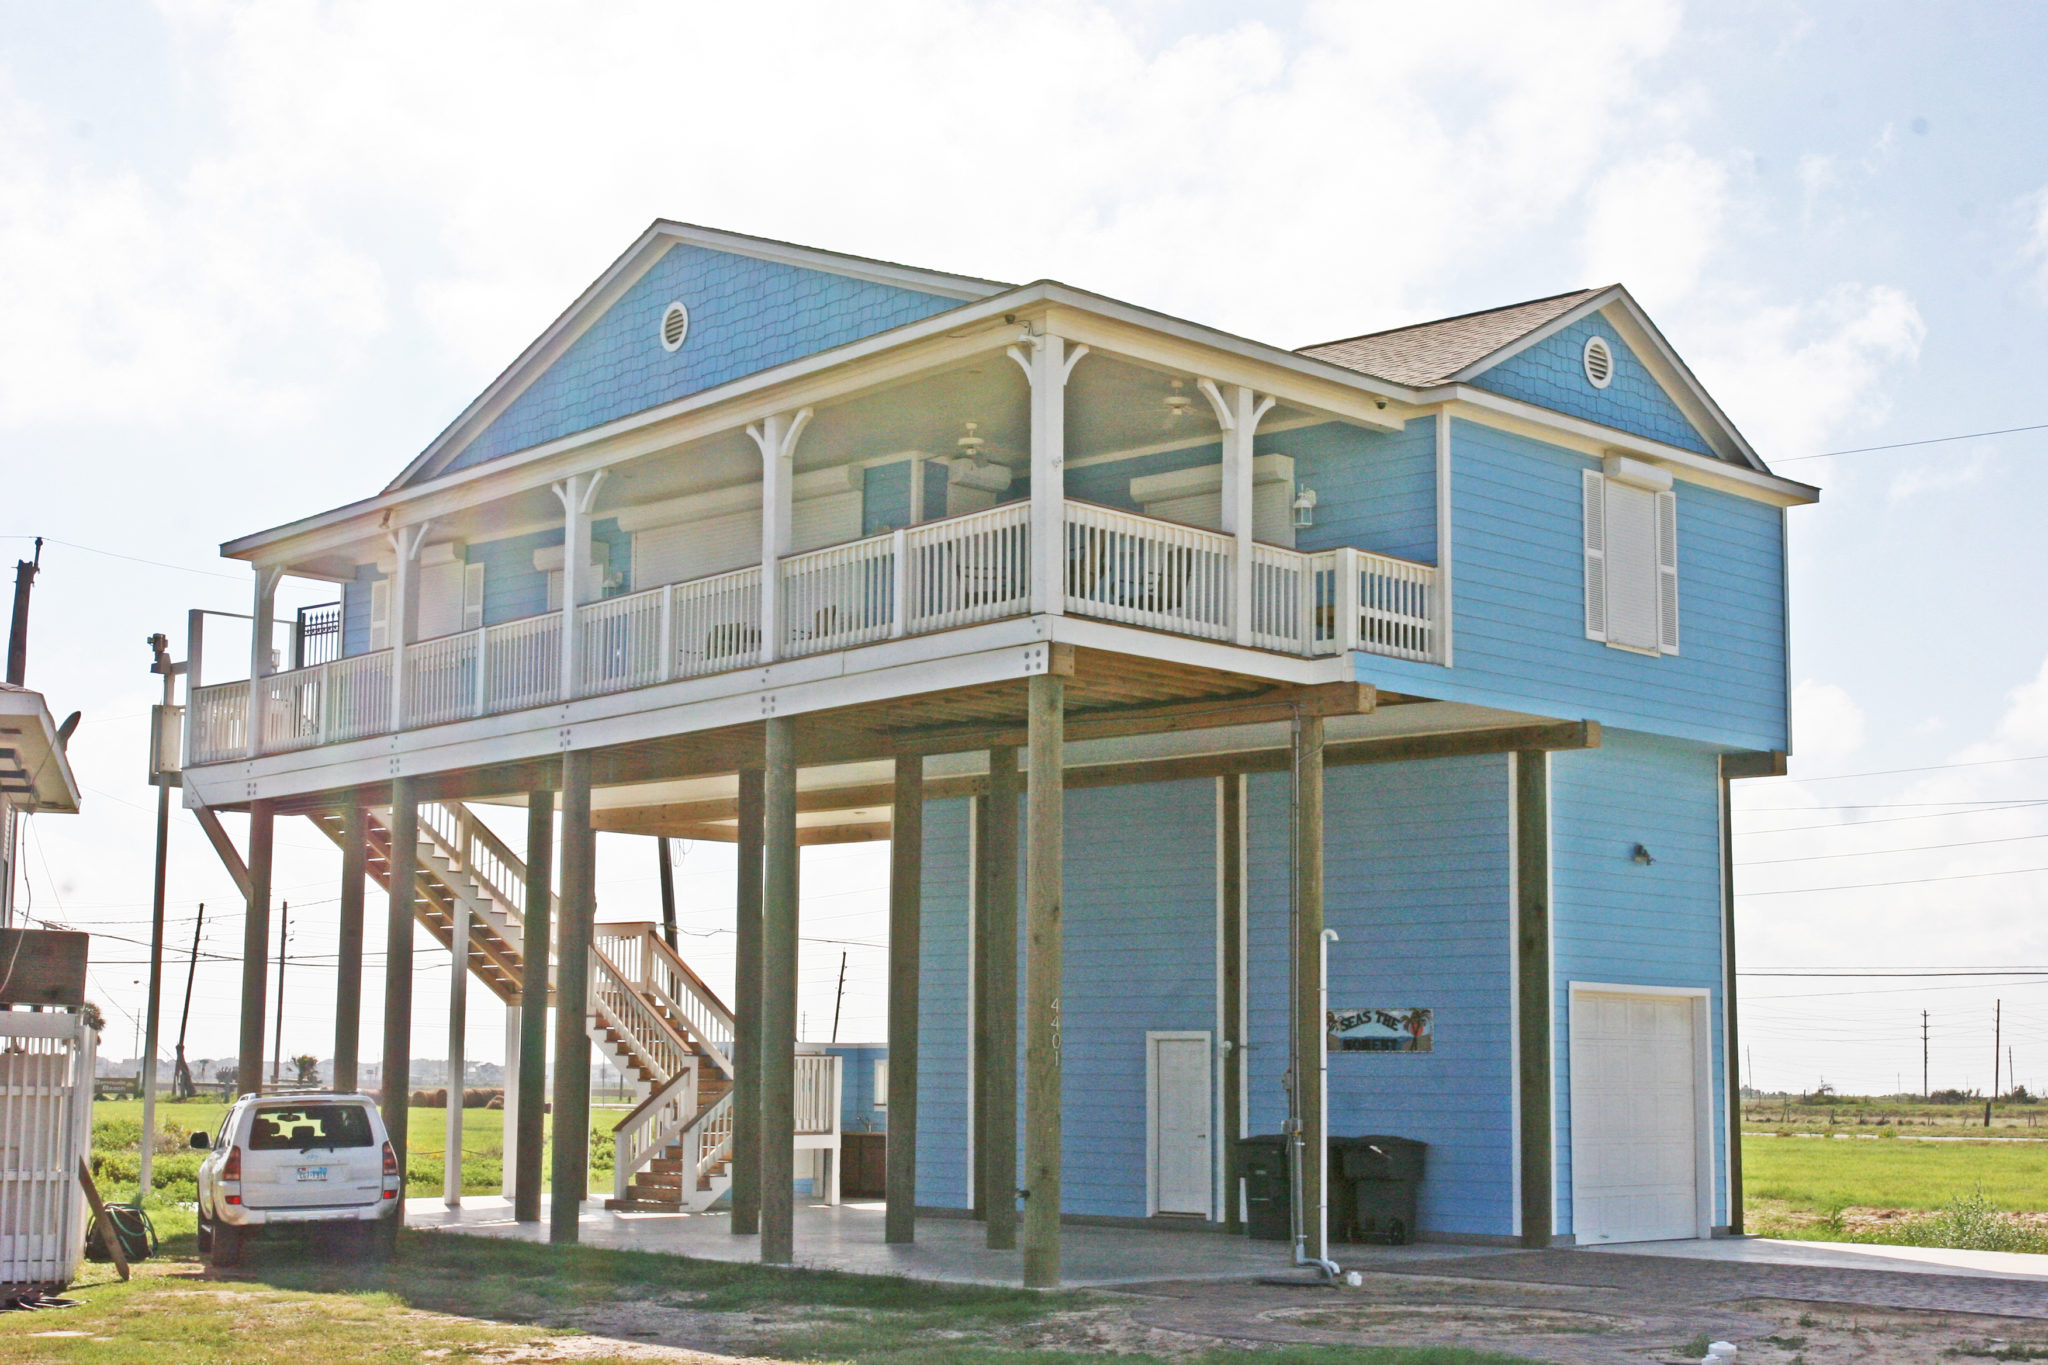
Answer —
(1593, 438)
(1345, 392)
(1663, 361)
(56, 788)
(621, 275)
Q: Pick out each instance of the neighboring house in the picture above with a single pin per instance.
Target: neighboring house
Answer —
(1168, 650)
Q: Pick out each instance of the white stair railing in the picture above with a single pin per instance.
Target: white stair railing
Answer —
(656, 1123)
(643, 957)
(706, 1141)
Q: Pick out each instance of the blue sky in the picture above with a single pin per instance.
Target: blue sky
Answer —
(253, 258)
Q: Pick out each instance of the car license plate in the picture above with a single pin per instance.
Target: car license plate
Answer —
(312, 1173)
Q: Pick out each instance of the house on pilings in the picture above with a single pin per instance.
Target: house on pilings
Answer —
(1328, 741)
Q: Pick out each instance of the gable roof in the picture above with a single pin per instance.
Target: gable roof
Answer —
(1426, 353)
(1455, 350)
(634, 263)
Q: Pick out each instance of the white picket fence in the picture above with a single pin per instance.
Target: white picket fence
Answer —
(46, 1069)
(1118, 566)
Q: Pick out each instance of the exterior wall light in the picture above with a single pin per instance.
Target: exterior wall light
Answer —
(1305, 508)
(1642, 855)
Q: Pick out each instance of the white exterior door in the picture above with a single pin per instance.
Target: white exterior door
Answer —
(1638, 1121)
(1180, 1120)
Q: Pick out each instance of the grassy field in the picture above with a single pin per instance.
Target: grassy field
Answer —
(470, 1298)
(117, 1134)
(1990, 1195)
(1907, 1114)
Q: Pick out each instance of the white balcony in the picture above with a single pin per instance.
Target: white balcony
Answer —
(1118, 567)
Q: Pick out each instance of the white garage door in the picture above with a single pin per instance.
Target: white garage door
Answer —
(1635, 1121)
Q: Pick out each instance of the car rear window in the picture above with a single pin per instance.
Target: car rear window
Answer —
(310, 1125)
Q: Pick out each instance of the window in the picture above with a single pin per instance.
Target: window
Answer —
(882, 1083)
(1631, 557)
(309, 1126)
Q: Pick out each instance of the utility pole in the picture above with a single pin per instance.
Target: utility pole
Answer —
(284, 916)
(160, 664)
(1925, 1092)
(1997, 1047)
(838, 998)
(25, 571)
(668, 892)
(181, 1079)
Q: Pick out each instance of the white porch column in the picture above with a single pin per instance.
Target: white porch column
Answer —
(1238, 411)
(403, 617)
(776, 436)
(577, 494)
(458, 1022)
(1046, 369)
(511, 1101)
(260, 634)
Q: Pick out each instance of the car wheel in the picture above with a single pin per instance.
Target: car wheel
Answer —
(227, 1245)
(205, 1235)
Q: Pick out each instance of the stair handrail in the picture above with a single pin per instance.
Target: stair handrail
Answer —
(707, 1140)
(671, 982)
(652, 1126)
(647, 1035)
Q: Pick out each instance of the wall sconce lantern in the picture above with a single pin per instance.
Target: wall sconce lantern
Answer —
(1641, 855)
(1305, 508)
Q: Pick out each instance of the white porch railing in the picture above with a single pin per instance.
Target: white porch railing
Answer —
(1141, 571)
(1117, 566)
(817, 1094)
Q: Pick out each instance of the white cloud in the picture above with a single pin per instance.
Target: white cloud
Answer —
(1653, 222)
(1797, 375)
(1827, 724)
(2034, 249)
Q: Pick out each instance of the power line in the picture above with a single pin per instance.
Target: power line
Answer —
(1925, 768)
(1882, 820)
(1875, 852)
(133, 559)
(1905, 445)
(1904, 881)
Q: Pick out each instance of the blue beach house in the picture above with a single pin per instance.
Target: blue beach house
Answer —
(1313, 741)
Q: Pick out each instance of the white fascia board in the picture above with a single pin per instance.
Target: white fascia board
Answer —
(624, 272)
(844, 370)
(1590, 438)
(1161, 339)
(1673, 375)
(973, 655)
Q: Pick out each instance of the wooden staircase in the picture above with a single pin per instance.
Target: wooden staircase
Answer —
(651, 1016)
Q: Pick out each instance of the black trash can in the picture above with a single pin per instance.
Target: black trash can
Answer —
(1262, 1161)
(1383, 1174)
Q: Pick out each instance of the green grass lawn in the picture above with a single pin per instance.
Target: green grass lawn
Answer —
(467, 1298)
(1993, 1195)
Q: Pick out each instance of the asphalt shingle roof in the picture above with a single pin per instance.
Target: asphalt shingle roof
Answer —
(1431, 352)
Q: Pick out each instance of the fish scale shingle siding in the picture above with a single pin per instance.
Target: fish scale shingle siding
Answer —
(746, 315)
(1552, 374)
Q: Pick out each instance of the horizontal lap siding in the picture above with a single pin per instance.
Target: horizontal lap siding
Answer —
(1375, 490)
(1614, 920)
(1140, 902)
(1416, 872)
(1520, 604)
(943, 1027)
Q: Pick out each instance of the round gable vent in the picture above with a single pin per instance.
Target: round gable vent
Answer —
(675, 325)
(1599, 362)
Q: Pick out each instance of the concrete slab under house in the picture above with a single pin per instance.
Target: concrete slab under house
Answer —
(1311, 742)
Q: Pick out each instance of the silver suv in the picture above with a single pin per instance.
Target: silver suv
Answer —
(295, 1160)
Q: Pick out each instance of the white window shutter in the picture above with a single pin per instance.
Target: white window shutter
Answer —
(1667, 572)
(1595, 499)
(380, 614)
(472, 596)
